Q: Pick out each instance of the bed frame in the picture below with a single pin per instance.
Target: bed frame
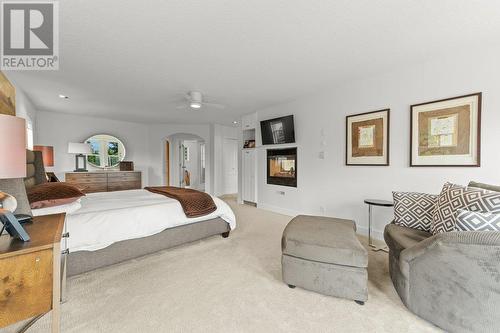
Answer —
(84, 261)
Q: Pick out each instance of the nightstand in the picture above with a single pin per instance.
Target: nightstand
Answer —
(30, 272)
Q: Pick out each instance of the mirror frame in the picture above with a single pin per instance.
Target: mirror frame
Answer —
(119, 142)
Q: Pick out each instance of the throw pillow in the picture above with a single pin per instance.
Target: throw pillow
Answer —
(475, 221)
(414, 210)
(454, 197)
(53, 194)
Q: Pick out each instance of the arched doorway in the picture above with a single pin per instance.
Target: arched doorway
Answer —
(185, 161)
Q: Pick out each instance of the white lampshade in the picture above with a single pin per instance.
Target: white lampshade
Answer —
(78, 148)
(12, 147)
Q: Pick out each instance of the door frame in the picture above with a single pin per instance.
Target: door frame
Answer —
(167, 162)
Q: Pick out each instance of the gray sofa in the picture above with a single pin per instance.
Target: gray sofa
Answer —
(450, 279)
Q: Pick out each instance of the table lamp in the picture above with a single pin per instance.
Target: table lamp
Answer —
(48, 160)
(47, 154)
(12, 165)
(80, 150)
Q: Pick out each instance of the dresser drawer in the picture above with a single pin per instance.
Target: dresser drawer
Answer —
(124, 176)
(86, 178)
(92, 187)
(25, 286)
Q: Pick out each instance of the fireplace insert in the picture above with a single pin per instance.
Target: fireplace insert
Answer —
(282, 167)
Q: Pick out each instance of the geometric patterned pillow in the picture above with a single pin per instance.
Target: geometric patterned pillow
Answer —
(454, 197)
(474, 221)
(414, 210)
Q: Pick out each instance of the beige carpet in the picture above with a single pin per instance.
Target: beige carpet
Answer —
(225, 285)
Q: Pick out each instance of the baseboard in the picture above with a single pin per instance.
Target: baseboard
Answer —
(362, 230)
(278, 210)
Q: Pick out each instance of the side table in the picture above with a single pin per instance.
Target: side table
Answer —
(379, 203)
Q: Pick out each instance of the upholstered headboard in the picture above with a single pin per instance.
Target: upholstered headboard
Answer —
(35, 174)
(35, 171)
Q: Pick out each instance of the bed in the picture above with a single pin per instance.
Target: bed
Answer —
(110, 227)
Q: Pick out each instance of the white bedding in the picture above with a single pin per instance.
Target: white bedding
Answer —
(109, 217)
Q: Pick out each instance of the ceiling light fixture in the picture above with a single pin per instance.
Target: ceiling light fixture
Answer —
(195, 105)
(235, 122)
(63, 96)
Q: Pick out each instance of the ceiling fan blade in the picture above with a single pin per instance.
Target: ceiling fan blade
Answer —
(215, 105)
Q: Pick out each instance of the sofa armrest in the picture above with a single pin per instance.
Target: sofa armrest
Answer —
(452, 239)
(453, 279)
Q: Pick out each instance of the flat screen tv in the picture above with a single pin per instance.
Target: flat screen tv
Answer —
(277, 131)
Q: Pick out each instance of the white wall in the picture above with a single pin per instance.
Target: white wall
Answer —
(25, 109)
(221, 132)
(57, 129)
(339, 189)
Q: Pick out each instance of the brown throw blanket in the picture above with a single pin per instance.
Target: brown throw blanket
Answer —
(194, 203)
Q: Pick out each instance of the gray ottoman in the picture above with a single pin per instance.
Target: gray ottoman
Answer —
(323, 254)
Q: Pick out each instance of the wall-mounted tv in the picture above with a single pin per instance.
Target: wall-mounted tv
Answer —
(277, 130)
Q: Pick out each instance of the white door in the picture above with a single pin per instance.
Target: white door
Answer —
(230, 166)
(248, 179)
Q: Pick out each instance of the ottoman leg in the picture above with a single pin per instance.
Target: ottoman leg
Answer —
(291, 286)
(360, 302)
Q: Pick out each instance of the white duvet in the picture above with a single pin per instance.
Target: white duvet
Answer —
(109, 217)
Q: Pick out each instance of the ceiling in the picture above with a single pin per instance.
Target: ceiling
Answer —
(132, 60)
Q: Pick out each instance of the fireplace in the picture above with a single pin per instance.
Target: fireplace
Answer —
(282, 167)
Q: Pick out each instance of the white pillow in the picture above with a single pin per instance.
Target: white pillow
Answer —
(67, 208)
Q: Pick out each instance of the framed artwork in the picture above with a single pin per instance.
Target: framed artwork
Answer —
(367, 138)
(446, 132)
(7, 96)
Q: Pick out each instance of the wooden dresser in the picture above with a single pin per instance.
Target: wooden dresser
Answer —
(30, 272)
(105, 181)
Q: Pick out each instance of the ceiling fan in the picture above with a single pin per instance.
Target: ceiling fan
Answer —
(195, 101)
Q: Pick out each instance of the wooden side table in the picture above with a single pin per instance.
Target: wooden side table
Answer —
(30, 272)
(380, 203)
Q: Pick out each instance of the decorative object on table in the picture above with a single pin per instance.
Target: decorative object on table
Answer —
(249, 144)
(454, 197)
(187, 178)
(380, 203)
(474, 221)
(107, 151)
(12, 167)
(414, 210)
(80, 150)
(446, 132)
(367, 138)
(126, 166)
(7, 96)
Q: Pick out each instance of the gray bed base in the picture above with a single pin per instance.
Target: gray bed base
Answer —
(84, 261)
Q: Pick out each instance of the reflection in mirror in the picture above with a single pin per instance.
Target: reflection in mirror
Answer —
(106, 151)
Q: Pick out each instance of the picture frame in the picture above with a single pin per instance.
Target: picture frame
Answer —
(446, 132)
(368, 138)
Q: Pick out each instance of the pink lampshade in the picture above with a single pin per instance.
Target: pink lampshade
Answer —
(12, 147)
(47, 154)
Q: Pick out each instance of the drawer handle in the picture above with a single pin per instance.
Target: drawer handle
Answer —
(65, 252)
(65, 235)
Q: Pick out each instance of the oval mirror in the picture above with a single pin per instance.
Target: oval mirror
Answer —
(106, 151)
